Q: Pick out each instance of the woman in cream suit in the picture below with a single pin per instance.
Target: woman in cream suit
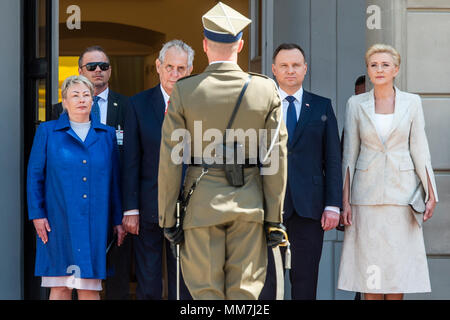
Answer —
(385, 157)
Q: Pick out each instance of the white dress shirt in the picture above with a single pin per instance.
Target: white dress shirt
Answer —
(166, 103)
(165, 96)
(298, 107)
(103, 105)
(297, 103)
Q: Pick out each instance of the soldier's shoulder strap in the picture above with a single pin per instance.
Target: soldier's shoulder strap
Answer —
(263, 76)
(258, 75)
(187, 77)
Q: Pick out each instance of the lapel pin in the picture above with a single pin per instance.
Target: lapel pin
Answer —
(115, 104)
(307, 104)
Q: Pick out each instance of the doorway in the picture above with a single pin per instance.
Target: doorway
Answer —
(39, 77)
(133, 32)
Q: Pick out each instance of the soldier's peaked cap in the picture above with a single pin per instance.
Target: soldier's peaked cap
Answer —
(224, 24)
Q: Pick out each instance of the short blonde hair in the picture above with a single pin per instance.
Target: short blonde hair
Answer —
(72, 80)
(383, 48)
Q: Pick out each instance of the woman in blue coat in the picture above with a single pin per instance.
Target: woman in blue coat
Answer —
(73, 195)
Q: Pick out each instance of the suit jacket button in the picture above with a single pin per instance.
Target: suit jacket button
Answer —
(84, 161)
(84, 196)
(84, 179)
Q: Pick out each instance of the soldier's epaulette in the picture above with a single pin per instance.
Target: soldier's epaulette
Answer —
(190, 76)
(258, 74)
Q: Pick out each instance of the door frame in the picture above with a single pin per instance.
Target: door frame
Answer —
(36, 68)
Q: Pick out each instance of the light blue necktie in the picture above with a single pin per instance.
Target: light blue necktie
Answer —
(291, 117)
(95, 110)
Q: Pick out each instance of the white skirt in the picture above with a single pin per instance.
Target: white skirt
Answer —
(72, 282)
(383, 252)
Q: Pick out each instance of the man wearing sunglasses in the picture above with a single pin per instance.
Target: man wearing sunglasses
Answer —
(109, 108)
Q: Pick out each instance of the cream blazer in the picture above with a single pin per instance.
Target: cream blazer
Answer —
(386, 173)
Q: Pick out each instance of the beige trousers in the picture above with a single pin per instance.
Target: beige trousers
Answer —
(227, 261)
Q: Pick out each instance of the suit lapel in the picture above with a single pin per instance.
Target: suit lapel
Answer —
(305, 114)
(157, 103)
(91, 137)
(72, 133)
(112, 112)
(368, 107)
(63, 124)
(400, 109)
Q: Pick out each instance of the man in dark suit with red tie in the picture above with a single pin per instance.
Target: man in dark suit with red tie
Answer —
(109, 108)
(314, 190)
(142, 140)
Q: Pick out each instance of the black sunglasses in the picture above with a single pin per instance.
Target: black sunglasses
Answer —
(91, 66)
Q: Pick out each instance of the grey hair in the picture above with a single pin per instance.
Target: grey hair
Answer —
(72, 80)
(180, 45)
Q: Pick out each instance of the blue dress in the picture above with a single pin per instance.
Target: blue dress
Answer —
(75, 185)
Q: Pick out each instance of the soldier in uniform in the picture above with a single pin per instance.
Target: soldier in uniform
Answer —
(225, 230)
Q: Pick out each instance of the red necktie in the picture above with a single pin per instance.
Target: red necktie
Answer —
(168, 102)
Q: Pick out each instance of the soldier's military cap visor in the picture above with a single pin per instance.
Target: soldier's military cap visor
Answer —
(224, 24)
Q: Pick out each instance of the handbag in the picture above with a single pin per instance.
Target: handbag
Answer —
(417, 204)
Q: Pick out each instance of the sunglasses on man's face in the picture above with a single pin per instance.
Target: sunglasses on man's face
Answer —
(92, 66)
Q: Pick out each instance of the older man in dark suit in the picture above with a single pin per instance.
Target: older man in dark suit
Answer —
(142, 141)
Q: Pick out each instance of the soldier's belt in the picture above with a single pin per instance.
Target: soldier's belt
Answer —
(247, 164)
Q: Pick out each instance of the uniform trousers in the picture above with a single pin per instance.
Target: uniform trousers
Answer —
(225, 262)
